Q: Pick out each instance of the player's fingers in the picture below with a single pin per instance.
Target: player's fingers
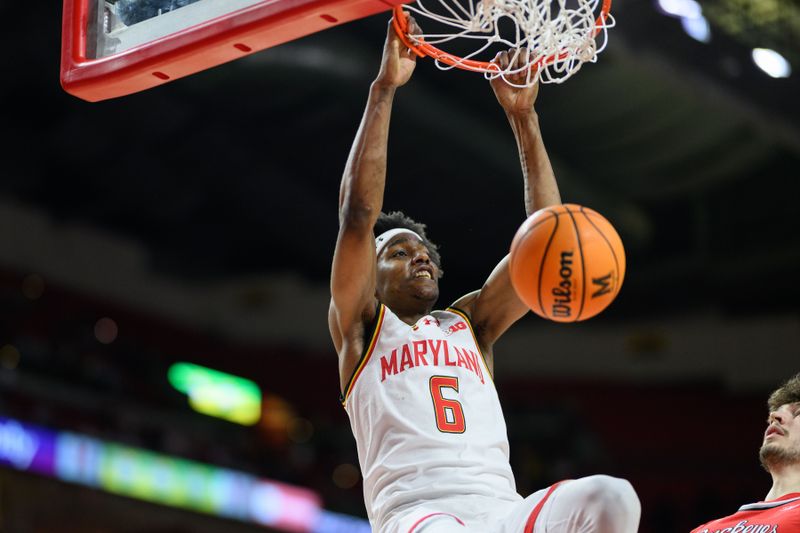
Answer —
(524, 57)
(502, 60)
(519, 70)
(391, 32)
(512, 59)
(413, 27)
(396, 39)
(511, 65)
(399, 19)
(520, 58)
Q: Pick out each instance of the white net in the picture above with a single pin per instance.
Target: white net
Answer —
(560, 35)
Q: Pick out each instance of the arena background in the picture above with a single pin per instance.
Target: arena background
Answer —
(196, 222)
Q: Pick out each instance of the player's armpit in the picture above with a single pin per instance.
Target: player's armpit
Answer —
(496, 306)
(466, 302)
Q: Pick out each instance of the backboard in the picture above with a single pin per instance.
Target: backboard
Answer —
(112, 48)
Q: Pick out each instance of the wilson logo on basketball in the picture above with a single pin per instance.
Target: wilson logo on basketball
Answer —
(567, 263)
(604, 285)
(563, 293)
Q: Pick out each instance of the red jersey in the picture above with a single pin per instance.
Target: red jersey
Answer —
(774, 516)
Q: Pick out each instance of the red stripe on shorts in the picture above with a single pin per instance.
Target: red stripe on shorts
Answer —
(536, 510)
(418, 522)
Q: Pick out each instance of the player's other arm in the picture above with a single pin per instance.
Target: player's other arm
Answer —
(496, 305)
(361, 198)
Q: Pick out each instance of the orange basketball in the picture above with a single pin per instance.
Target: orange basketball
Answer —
(567, 263)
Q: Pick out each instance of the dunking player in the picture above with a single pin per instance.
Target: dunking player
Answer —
(780, 456)
(416, 383)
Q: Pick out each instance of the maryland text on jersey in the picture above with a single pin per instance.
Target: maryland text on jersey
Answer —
(429, 352)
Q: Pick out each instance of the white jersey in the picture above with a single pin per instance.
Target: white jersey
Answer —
(425, 415)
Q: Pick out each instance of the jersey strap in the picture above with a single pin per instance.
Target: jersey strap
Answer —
(369, 348)
(767, 505)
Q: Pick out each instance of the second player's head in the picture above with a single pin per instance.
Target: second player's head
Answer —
(781, 446)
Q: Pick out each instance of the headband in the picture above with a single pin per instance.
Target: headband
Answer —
(383, 239)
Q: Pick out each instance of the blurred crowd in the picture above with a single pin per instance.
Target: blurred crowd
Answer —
(71, 362)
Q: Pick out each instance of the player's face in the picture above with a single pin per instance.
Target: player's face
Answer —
(781, 444)
(405, 269)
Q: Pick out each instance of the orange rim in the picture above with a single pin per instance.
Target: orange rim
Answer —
(423, 49)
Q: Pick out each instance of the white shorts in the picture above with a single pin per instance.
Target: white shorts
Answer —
(593, 503)
(474, 515)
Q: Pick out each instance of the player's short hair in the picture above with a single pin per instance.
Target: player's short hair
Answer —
(398, 219)
(789, 392)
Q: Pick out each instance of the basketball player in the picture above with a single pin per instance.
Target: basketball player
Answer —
(780, 456)
(416, 383)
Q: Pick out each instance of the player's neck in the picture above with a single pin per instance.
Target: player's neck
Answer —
(785, 480)
(411, 314)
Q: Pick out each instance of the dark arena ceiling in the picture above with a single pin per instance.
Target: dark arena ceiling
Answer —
(212, 201)
(688, 148)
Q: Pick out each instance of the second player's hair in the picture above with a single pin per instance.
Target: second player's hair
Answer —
(789, 392)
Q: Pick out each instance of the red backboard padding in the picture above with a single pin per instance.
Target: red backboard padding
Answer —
(196, 48)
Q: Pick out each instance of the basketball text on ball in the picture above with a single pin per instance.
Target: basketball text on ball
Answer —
(567, 263)
(563, 292)
(604, 282)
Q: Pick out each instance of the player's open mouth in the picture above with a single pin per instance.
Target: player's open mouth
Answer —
(423, 274)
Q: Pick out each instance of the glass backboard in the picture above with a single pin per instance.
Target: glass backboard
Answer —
(111, 48)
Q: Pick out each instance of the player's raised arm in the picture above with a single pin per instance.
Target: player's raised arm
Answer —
(361, 199)
(540, 186)
(496, 306)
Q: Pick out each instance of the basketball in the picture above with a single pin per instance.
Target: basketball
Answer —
(567, 263)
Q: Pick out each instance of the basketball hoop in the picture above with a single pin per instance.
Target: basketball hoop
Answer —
(559, 35)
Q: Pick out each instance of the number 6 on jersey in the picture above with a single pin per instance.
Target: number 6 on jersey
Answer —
(449, 414)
